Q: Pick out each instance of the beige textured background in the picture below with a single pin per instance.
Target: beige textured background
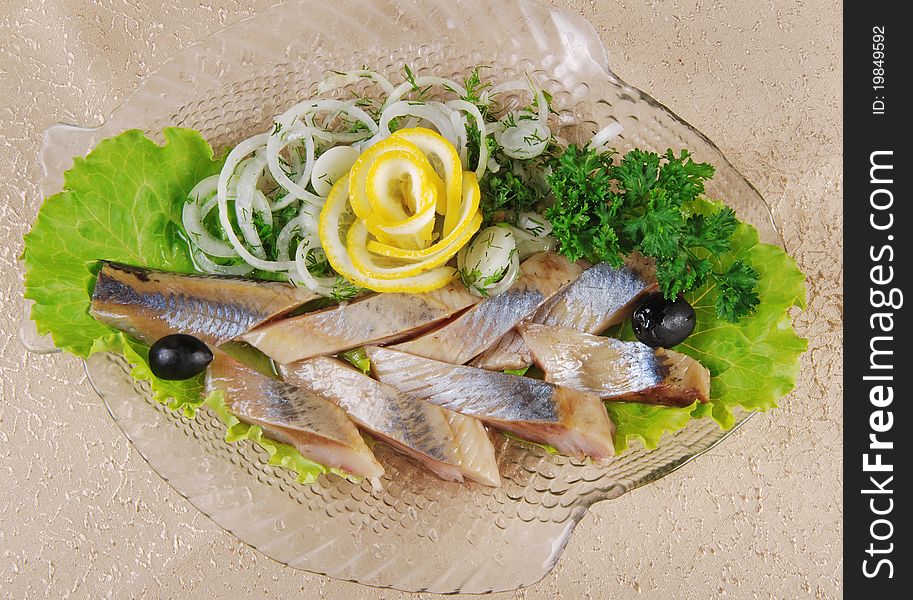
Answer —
(82, 516)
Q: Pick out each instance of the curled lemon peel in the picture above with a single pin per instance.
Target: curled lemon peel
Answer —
(401, 213)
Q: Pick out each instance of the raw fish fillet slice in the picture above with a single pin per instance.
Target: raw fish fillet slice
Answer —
(601, 297)
(574, 422)
(319, 429)
(615, 370)
(151, 304)
(541, 276)
(377, 319)
(449, 444)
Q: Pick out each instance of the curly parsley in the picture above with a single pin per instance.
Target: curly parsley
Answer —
(604, 210)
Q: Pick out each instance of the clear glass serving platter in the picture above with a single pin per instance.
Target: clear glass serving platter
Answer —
(418, 533)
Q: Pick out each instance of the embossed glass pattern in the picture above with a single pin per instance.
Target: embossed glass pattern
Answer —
(418, 533)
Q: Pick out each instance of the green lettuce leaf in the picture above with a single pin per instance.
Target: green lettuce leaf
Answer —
(184, 396)
(752, 363)
(123, 203)
(645, 422)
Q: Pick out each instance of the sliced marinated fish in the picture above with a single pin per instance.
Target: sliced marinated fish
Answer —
(615, 370)
(574, 422)
(319, 429)
(378, 319)
(601, 297)
(541, 276)
(449, 444)
(151, 304)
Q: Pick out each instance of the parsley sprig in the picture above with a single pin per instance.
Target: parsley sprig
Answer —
(604, 210)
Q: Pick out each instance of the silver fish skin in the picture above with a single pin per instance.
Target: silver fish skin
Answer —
(541, 276)
(150, 304)
(449, 444)
(615, 370)
(377, 319)
(601, 297)
(573, 422)
(319, 429)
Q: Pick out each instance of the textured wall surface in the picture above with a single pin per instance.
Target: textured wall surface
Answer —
(81, 514)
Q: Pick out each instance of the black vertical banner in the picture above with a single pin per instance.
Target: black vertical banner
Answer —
(877, 238)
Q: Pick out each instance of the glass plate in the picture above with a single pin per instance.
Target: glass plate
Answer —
(419, 533)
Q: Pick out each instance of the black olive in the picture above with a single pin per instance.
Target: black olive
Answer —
(661, 322)
(178, 356)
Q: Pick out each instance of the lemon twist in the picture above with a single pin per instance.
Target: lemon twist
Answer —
(404, 210)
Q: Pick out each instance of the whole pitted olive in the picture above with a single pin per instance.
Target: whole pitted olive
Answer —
(178, 356)
(664, 323)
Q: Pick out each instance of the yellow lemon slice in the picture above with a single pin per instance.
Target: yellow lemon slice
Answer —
(468, 222)
(402, 191)
(334, 209)
(368, 265)
(388, 203)
(414, 232)
(443, 157)
(399, 185)
(358, 175)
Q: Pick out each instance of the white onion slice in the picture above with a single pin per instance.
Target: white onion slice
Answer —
(330, 166)
(238, 153)
(459, 122)
(423, 82)
(208, 266)
(307, 110)
(204, 189)
(605, 134)
(247, 197)
(529, 244)
(529, 137)
(492, 252)
(524, 141)
(202, 201)
(275, 144)
(284, 239)
(307, 218)
(431, 112)
(474, 112)
(602, 137)
(301, 276)
(520, 85)
(534, 224)
(288, 128)
(510, 276)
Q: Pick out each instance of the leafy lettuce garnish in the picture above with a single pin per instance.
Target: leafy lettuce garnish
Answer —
(752, 363)
(645, 422)
(123, 203)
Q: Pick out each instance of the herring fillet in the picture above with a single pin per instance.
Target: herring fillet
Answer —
(615, 370)
(319, 429)
(375, 319)
(601, 297)
(150, 304)
(449, 444)
(541, 277)
(574, 422)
